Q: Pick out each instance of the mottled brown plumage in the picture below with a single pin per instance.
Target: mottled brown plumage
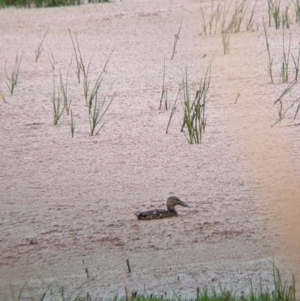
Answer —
(161, 213)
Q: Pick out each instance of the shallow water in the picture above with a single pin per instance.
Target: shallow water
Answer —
(67, 203)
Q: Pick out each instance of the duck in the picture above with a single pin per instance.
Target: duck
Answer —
(161, 213)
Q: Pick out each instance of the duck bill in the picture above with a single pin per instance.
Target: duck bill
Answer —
(183, 204)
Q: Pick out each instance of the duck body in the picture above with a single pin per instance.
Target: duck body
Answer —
(154, 214)
(161, 213)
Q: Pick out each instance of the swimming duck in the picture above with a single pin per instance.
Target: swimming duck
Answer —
(161, 213)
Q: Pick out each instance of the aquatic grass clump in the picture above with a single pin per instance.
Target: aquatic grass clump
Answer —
(194, 119)
(39, 49)
(216, 18)
(226, 41)
(298, 108)
(72, 124)
(13, 76)
(59, 97)
(285, 18)
(285, 59)
(174, 108)
(283, 291)
(96, 113)
(176, 38)
(237, 17)
(274, 12)
(57, 103)
(64, 90)
(270, 70)
(296, 4)
(250, 23)
(203, 22)
(164, 90)
(286, 55)
(296, 64)
(97, 107)
(279, 102)
(79, 61)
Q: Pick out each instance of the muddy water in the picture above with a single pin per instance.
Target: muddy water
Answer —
(67, 203)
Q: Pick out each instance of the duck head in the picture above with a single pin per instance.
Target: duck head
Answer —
(174, 201)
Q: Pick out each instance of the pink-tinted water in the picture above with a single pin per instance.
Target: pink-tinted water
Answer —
(67, 203)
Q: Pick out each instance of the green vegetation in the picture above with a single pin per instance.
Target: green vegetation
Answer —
(79, 62)
(286, 54)
(194, 120)
(285, 17)
(44, 3)
(279, 102)
(280, 106)
(97, 108)
(216, 19)
(296, 64)
(164, 91)
(282, 291)
(274, 12)
(72, 124)
(226, 41)
(174, 107)
(269, 55)
(64, 90)
(250, 23)
(176, 38)
(296, 4)
(57, 102)
(97, 112)
(12, 77)
(59, 97)
(285, 59)
(39, 49)
(237, 17)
